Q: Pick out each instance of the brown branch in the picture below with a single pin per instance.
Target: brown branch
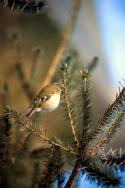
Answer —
(73, 174)
(64, 42)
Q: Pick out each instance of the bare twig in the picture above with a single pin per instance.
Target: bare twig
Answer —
(64, 42)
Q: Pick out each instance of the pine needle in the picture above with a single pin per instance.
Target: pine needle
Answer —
(86, 105)
(34, 7)
(101, 173)
(111, 115)
(21, 119)
(108, 135)
(69, 106)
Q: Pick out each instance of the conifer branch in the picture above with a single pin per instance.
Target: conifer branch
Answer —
(15, 146)
(34, 7)
(86, 105)
(21, 119)
(36, 173)
(101, 173)
(116, 159)
(53, 168)
(69, 105)
(108, 135)
(64, 42)
(111, 114)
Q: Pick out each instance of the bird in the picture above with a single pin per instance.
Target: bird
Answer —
(47, 100)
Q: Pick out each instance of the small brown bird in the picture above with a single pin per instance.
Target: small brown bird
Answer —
(47, 100)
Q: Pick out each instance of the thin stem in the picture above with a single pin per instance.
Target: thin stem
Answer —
(64, 42)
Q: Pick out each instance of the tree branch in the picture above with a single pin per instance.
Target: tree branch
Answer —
(64, 42)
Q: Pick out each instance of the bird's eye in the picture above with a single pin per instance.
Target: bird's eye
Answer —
(44, 98)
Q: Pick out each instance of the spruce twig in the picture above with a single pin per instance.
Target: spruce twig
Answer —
(53, 168)
(115, 158)
(69, 105)
(108, 135)
(86, 105)
(101, 173)
(34, 7)
(24, 121)
(111, 114)
(36, 174)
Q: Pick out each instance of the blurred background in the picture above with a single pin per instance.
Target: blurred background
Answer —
(99, 31)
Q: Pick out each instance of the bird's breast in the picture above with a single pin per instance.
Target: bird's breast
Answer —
(52, 103)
